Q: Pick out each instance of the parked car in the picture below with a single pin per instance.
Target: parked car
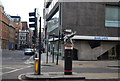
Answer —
(29, 51)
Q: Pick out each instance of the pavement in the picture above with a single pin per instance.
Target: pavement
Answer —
(96, 64)
(107, 70)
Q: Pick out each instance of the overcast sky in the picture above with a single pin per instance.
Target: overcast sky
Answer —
(22, 7)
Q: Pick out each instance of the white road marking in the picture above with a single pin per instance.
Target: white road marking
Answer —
(19, 77)
(31, 61)
(15, 70)
(114, 68)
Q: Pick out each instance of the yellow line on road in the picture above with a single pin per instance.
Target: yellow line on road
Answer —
(15, 70)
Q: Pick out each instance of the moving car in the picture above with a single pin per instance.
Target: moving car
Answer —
(29, 51)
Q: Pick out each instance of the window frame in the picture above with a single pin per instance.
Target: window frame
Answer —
(111, 23)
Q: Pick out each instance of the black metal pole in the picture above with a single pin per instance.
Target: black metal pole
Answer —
(47, 54)
(58, 48)
(53, 48)
(35, 31)
(46, 44)
(39, 65)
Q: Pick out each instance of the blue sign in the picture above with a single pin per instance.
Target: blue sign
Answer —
(101, 38)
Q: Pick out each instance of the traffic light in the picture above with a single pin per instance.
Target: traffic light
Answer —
(33, 24)
(33, 19)
(32, 14)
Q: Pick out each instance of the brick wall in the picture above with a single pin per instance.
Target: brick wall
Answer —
(7, 34)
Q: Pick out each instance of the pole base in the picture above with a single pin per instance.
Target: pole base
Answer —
(67, 73)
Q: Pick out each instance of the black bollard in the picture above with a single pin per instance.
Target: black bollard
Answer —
(68, 59)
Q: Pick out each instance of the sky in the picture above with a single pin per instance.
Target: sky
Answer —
(22, 7)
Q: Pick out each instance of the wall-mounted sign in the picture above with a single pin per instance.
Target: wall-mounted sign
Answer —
(101, 38)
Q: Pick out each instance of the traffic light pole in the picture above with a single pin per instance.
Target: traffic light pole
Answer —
(39, 64)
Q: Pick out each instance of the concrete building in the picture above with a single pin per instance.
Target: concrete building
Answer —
(96, 24)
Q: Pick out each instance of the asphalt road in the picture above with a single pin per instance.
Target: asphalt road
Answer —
(14, 64)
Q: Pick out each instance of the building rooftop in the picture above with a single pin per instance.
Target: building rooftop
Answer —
(1, 5)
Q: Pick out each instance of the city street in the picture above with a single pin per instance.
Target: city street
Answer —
(48, 40)
(13, 64)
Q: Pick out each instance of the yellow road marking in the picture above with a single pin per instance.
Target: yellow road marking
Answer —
(15, 70)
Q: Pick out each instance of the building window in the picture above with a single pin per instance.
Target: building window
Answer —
(112, 18)
(53, 23)
(52, 5)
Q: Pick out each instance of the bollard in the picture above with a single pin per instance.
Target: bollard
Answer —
(68, 59)
(36, 65)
